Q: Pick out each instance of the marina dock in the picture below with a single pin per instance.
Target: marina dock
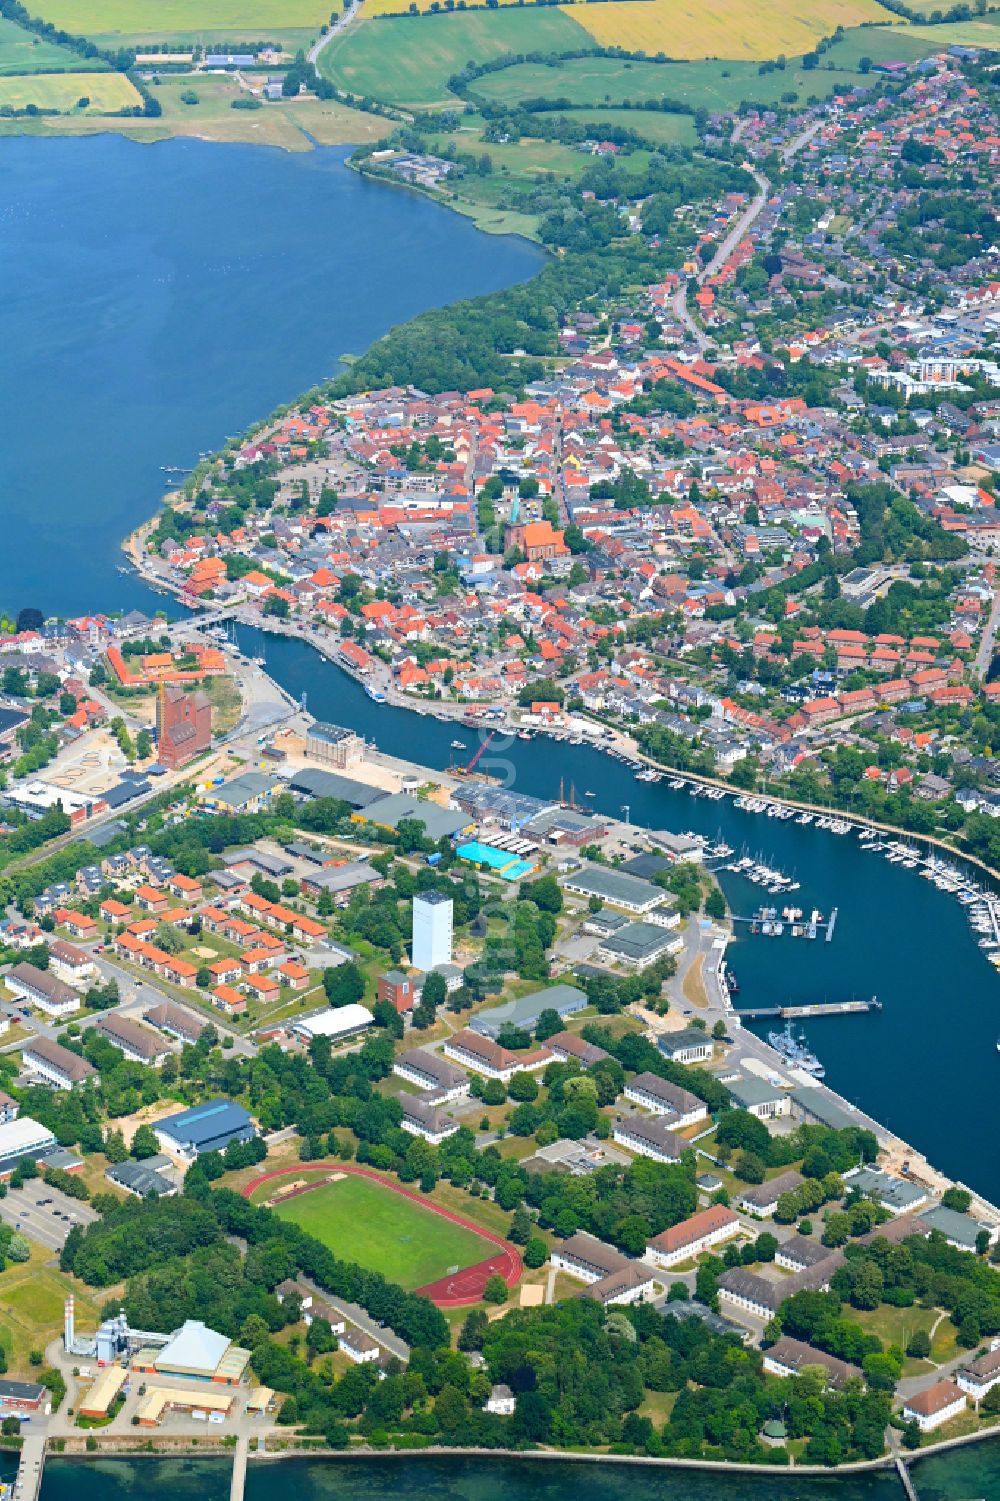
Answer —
(237, 1484)
(29, 1469)
(811, 1009)
(905, 1478)
(790, 922)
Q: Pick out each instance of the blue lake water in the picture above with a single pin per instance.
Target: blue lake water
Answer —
(956, 1476)
(154, 299)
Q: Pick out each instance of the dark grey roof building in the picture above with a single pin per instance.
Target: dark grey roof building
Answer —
(145, 1179)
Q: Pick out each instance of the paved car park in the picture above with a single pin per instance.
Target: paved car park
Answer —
(44, 1214)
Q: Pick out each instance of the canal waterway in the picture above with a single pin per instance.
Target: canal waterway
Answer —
(926, 1066)
(955, 1476)
(156, 298)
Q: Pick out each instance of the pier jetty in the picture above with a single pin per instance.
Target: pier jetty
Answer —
(29, 1469)
(905, 1477)
(810, 1009)
(237, 1484)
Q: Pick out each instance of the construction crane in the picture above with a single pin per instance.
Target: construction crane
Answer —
(472, 764)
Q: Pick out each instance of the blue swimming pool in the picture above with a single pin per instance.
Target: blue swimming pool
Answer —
(507, 866)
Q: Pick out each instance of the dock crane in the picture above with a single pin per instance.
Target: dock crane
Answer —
(472, 764)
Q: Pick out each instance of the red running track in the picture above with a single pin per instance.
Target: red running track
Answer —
(454, 1291)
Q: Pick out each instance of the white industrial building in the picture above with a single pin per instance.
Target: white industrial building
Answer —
(337, 1023)
(23, 1138)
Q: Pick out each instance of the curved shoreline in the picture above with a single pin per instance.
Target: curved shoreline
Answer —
(545, 1456)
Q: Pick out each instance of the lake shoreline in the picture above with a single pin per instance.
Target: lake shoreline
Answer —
(360, 1453)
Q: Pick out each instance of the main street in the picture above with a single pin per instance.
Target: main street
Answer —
(984, 652)
(736, 235)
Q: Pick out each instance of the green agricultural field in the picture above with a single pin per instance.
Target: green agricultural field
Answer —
(118, 22)
(291, 38)
(708, 85)
(379, 1229)
(657, 128)
(105, 93)
(408, 60)
(23, 52)
(909, 43)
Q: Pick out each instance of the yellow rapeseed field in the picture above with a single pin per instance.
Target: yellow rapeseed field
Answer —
(105, 93)
(737, 29)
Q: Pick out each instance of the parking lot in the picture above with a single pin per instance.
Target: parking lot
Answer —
(44, 1214)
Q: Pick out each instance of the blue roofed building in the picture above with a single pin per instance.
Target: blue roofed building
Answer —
(205, 1128)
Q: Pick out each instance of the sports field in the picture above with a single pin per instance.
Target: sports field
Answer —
(105, 93)
(731, 29)
(409, 61)
(250, 20)
(21, 51)
(364, 1220)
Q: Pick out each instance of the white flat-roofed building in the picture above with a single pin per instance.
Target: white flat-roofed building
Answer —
(765, 1101)
(659, 1095)
(938, 1404)
(894, 1194)
(337, 1023)
(638, 945)
(429, 1071)
(650, 1137)
(631, 893)
(23, 1138)
(692, 1236)
(689, 1046)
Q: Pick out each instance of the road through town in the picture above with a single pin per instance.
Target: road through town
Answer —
(735, 236)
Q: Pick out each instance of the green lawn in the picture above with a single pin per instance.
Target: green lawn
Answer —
(32, 1294)
(408, 60)
(383, 1231)
(23, 52)
(895, 1325)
